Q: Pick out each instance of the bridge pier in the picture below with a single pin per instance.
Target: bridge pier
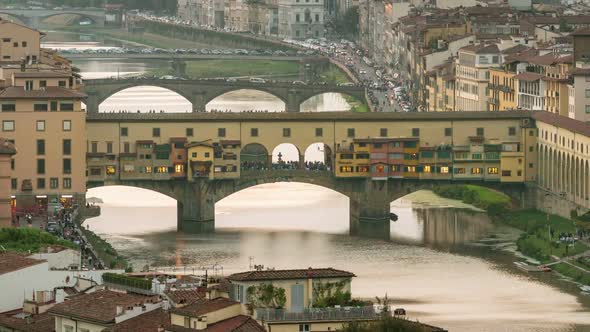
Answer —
(195, 208)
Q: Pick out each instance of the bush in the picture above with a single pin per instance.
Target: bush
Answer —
(121, 279)
(29, 240)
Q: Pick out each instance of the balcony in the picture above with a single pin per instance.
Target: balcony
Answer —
(317, 314)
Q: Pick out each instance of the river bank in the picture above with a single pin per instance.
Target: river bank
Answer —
(547, 239)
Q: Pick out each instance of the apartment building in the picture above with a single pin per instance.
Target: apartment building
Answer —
(41, 114)
(301, 19)
(473, 74)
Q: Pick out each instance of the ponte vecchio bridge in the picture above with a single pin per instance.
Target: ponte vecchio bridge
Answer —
(372, 158)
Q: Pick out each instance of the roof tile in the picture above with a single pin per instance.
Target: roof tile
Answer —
(290, 274)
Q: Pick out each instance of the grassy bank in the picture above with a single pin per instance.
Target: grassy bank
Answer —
(234, 68)
(105, 251)
(573, 273)
(535, 241)
(494, 202)
(29, 240)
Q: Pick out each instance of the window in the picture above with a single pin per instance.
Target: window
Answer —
(40, 125)
(492, 170)
(66, 107)
(350, 132)
(383, 132)
(12, 161)
(460, 170)
(426, 169)
(62, 84)
(531, 148)
(254, 132)
(124, 131)
(40, 107)
(8, 125)
(40, 183)
(415, 132)
(67, 166)
(189, 132)
(506, 173)
(67, 125)
(448, 132)
(9, 107)
(53, 183)
(479, 131)
(6, 40)
(297, 18)
(28, 85)
(444, 170)
(13, 183)
(126, 148)
(67, 183)
(476, 170)
(531, 165)
(40, 166)
(111, 170)
(207, 154)
(40, 147)
(518, 173)
(68, 328)
(221, 132)
(319, 132)
(109, 147)
(156, 132)
(511, 131)
(286, 132)
(24, 44)
(317, 17)
(43, 84)
(53, 106)
(587, 93)
(346, 169)
(476, 156)
(304, 328)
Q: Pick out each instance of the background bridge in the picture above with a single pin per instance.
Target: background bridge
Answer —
(201, 92)
(34, 17)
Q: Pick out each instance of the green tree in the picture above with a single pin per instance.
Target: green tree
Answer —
(347, 25)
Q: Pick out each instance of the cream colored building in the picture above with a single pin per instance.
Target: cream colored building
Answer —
(18, 42)
(7, 150)
(472, 76)
(205, 312)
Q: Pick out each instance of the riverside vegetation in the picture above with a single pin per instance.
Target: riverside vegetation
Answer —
(29, 240)
(536, 240)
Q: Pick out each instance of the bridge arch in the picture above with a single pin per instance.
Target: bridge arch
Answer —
(112, 94)
(349, 98)
(211, 96)
(78, 17)
(318, 156)
(286, 156)
(13, 18)
(254, 157)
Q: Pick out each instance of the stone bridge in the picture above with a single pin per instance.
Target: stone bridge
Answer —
(369, 200)
(34, 17)
(201, 92)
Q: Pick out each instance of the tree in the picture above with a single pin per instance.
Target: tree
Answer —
(348, 23)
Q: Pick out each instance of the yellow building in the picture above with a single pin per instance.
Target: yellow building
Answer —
(352, 159)
(200, 160)
(556, 85)
(205, 313)
(501, 92)
(7, 150)
(18, 42)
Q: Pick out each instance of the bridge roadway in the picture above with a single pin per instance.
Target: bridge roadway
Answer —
(34, 17)
(201, 92)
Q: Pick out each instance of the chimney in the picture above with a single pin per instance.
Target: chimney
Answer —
(202, 323)
(119, 310)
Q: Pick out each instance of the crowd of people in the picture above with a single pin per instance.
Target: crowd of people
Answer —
(284, 165)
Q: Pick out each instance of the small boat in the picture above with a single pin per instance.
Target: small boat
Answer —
(532, 268)
(585, 288)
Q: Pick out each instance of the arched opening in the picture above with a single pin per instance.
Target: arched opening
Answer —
(68, 19)
(145, 99)
(332, 102)
(318, 157)
(286, 156)
(254, 157)
(285, 206)
(246, 100)
(129, 210)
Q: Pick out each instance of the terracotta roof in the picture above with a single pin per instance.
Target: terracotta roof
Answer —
(580, 71)
(204, 306)
(100, 306)
(290, 274)
(10, 261)
(516, 49)
(14, 92)
(572, 125)
(148, 322)
(34, 323)
(231, 142)
(481, 48)
(529, 77)
(6, 147)
(185, 296)
(41, 74)
(240, 323)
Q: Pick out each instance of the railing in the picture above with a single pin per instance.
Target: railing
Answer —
(316, 314)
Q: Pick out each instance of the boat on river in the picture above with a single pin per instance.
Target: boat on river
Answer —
(532, 268)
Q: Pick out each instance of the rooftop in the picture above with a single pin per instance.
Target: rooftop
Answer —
(578, 127)
(239, 323)
(18, 92)
(148, 322)
(481, 48)
(204, 306)
(10, 262)
(100, 306)
(33, 323)
(306, 116)
(185, 296)
(42, 74)
(309, 273)
(529, 77)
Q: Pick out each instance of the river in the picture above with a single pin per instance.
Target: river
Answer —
(434, 261)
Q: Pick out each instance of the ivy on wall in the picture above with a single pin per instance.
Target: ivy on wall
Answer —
(266, 296)
(329, 294)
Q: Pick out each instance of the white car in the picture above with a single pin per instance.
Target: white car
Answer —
(362, 72)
